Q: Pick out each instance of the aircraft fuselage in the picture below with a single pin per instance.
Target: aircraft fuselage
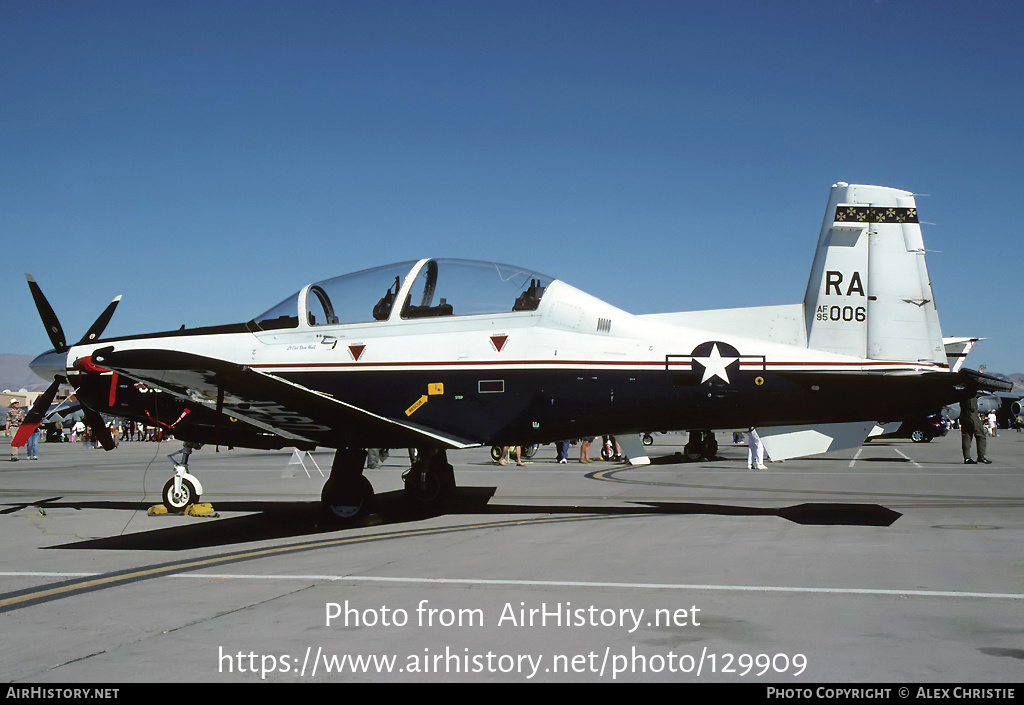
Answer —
(573, 367)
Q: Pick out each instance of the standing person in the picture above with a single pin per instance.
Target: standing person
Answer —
(972, 426)
(755, 451)
(32, 445)
(15, 417)
(992, 424)
(504, 454)
(585, 449)
(561, 451)
(617, 448)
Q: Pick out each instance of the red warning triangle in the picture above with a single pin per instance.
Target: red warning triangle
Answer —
(356, 351)
(498, 341)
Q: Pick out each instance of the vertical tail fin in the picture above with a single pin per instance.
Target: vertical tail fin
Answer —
(869, 294)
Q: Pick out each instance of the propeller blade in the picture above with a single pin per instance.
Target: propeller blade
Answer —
(99, 428)
(96, 329)
(53, 329)
(35, 415)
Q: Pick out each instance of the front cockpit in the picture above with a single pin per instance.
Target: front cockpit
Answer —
(428, 288)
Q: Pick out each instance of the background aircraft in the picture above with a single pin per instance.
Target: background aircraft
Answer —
(442, 354)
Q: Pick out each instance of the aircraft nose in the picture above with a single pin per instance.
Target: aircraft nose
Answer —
(50, 364)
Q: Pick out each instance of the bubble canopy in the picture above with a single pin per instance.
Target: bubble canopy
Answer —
(425, 288)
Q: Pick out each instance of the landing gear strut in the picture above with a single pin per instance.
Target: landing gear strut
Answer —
(430, 479)
(184, 488)
(347, 493)
(702, 445)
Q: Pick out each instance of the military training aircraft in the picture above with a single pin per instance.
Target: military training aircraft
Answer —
(444, 354)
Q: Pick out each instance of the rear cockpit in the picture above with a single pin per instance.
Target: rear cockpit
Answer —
(428, 288)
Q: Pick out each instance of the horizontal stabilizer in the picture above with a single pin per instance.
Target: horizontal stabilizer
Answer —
(982, 382)
(784, 442)
(956, 351)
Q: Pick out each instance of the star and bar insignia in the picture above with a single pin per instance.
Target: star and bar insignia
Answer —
(715, 365)
(872, 214)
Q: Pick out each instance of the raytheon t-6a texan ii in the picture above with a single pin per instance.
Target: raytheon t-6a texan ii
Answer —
(441, 354)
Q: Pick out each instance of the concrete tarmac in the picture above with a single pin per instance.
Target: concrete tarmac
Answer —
(891, 563)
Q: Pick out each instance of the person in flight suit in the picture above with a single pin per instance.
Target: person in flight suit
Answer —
(972, 426)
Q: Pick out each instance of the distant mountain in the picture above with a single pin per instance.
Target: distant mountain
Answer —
(1016, 379)
(15, 374)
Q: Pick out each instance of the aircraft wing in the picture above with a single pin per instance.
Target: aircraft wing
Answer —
(267, 402)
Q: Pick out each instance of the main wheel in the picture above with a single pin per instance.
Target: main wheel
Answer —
(177, 501)
(347, 502)
(430, 485)
(422, 486)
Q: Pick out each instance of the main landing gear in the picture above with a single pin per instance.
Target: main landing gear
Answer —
(430, 479)
(701, 445)
(184, 488)
(347, 494)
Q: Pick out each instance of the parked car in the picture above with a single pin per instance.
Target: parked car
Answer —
(921, 430)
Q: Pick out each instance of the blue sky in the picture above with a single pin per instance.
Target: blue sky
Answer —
(207, 159)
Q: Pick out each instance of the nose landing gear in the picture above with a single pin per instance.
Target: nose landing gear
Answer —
(184, 488)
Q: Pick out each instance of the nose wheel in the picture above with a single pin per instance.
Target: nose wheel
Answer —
(179, 493)
(184, 488)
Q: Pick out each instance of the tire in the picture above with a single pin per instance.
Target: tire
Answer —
(178, 501)
(711, 450)
(648, 439)
(429, 489)
(347, 503)
(423, 487)
(918, 436)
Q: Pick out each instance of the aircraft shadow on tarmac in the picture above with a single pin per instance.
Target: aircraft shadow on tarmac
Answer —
(278, 520)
